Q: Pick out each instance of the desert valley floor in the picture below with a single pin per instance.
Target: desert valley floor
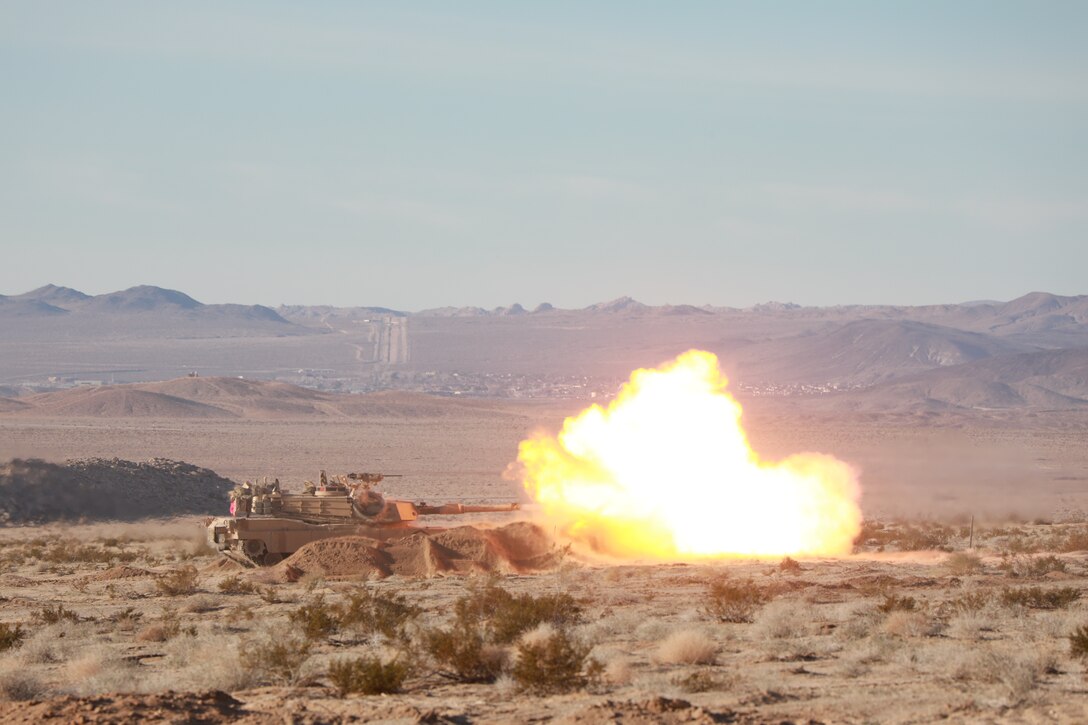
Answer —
(914, 627)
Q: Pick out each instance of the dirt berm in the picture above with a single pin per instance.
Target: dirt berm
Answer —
(514, 548)
(34, 491)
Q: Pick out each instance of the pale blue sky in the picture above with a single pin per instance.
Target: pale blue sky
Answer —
(423, 154)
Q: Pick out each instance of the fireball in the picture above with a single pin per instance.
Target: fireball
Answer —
(666, 472)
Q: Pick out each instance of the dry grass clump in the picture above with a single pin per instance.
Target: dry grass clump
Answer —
(1016, 673)
(126, 619)
(55, 614)
(99, 669)
(895, 603)
(961, 563)
(237, 585)
(783, 619)
(1078, 642)
(968, 602)
(178, 582)
(209, 659)
(269, 595)
(904, 537)
(737, 602)
(10, 636)
(154, 633)
(275, 661)
(20, 685)
(68, 551)
(1040, 598)
(687, 647)
(789, 566)
(1031, 567)
(54, 643)
(910, 624)
(554, 662)
(702, 681)
(1073, 540)
(970, 625)
(368, 675)
(617, 671)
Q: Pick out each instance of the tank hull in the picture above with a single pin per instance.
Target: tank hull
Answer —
(265, 540)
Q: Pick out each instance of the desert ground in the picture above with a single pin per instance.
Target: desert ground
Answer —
(113, 622)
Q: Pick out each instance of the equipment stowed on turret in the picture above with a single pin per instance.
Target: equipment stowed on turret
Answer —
(267, 524)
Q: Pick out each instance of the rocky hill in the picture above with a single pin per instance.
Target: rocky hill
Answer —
(33, 491)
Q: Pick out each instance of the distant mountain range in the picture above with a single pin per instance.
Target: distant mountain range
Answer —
(1029, 351)
(52, 299)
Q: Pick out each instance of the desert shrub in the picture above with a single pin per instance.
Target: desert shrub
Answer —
(734, 601)
(127, 619)
(18, 684)
(276, 661)
(269, 595)
(72, 552)
(618, 671)
(961, 563)
(155, 633)
(895, 603)
(376, 612)
(97, 669)
(789, 566)
(55, 614)
(688, 647)
(507, 615)
(464, 653)
(316, 619)
(701, 681)
(1078, 642)
(783, 619)
(10, 636)
(367, 675)
(922, 538)
(910, 624)
(1040, 598)
(965, 603)
(240, 613)
(178, 582)
(236, 585)
(486, 618)
(1075, 540)
(1031, 567)
(1016, 673)
(554, 663)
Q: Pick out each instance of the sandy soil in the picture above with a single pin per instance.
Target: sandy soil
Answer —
(820, 649)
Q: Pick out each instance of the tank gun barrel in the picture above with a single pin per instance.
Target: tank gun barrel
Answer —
(460, 508)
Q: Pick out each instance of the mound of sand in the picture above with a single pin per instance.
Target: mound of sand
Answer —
(120, 402)
(514, 548)
(8, 405)
(33, 491)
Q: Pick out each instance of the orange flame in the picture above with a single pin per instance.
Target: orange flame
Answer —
(665, 471)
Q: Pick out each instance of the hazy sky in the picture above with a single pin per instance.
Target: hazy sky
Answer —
(423, 154)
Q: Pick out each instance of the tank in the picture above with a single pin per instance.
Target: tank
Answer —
(267, 524)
